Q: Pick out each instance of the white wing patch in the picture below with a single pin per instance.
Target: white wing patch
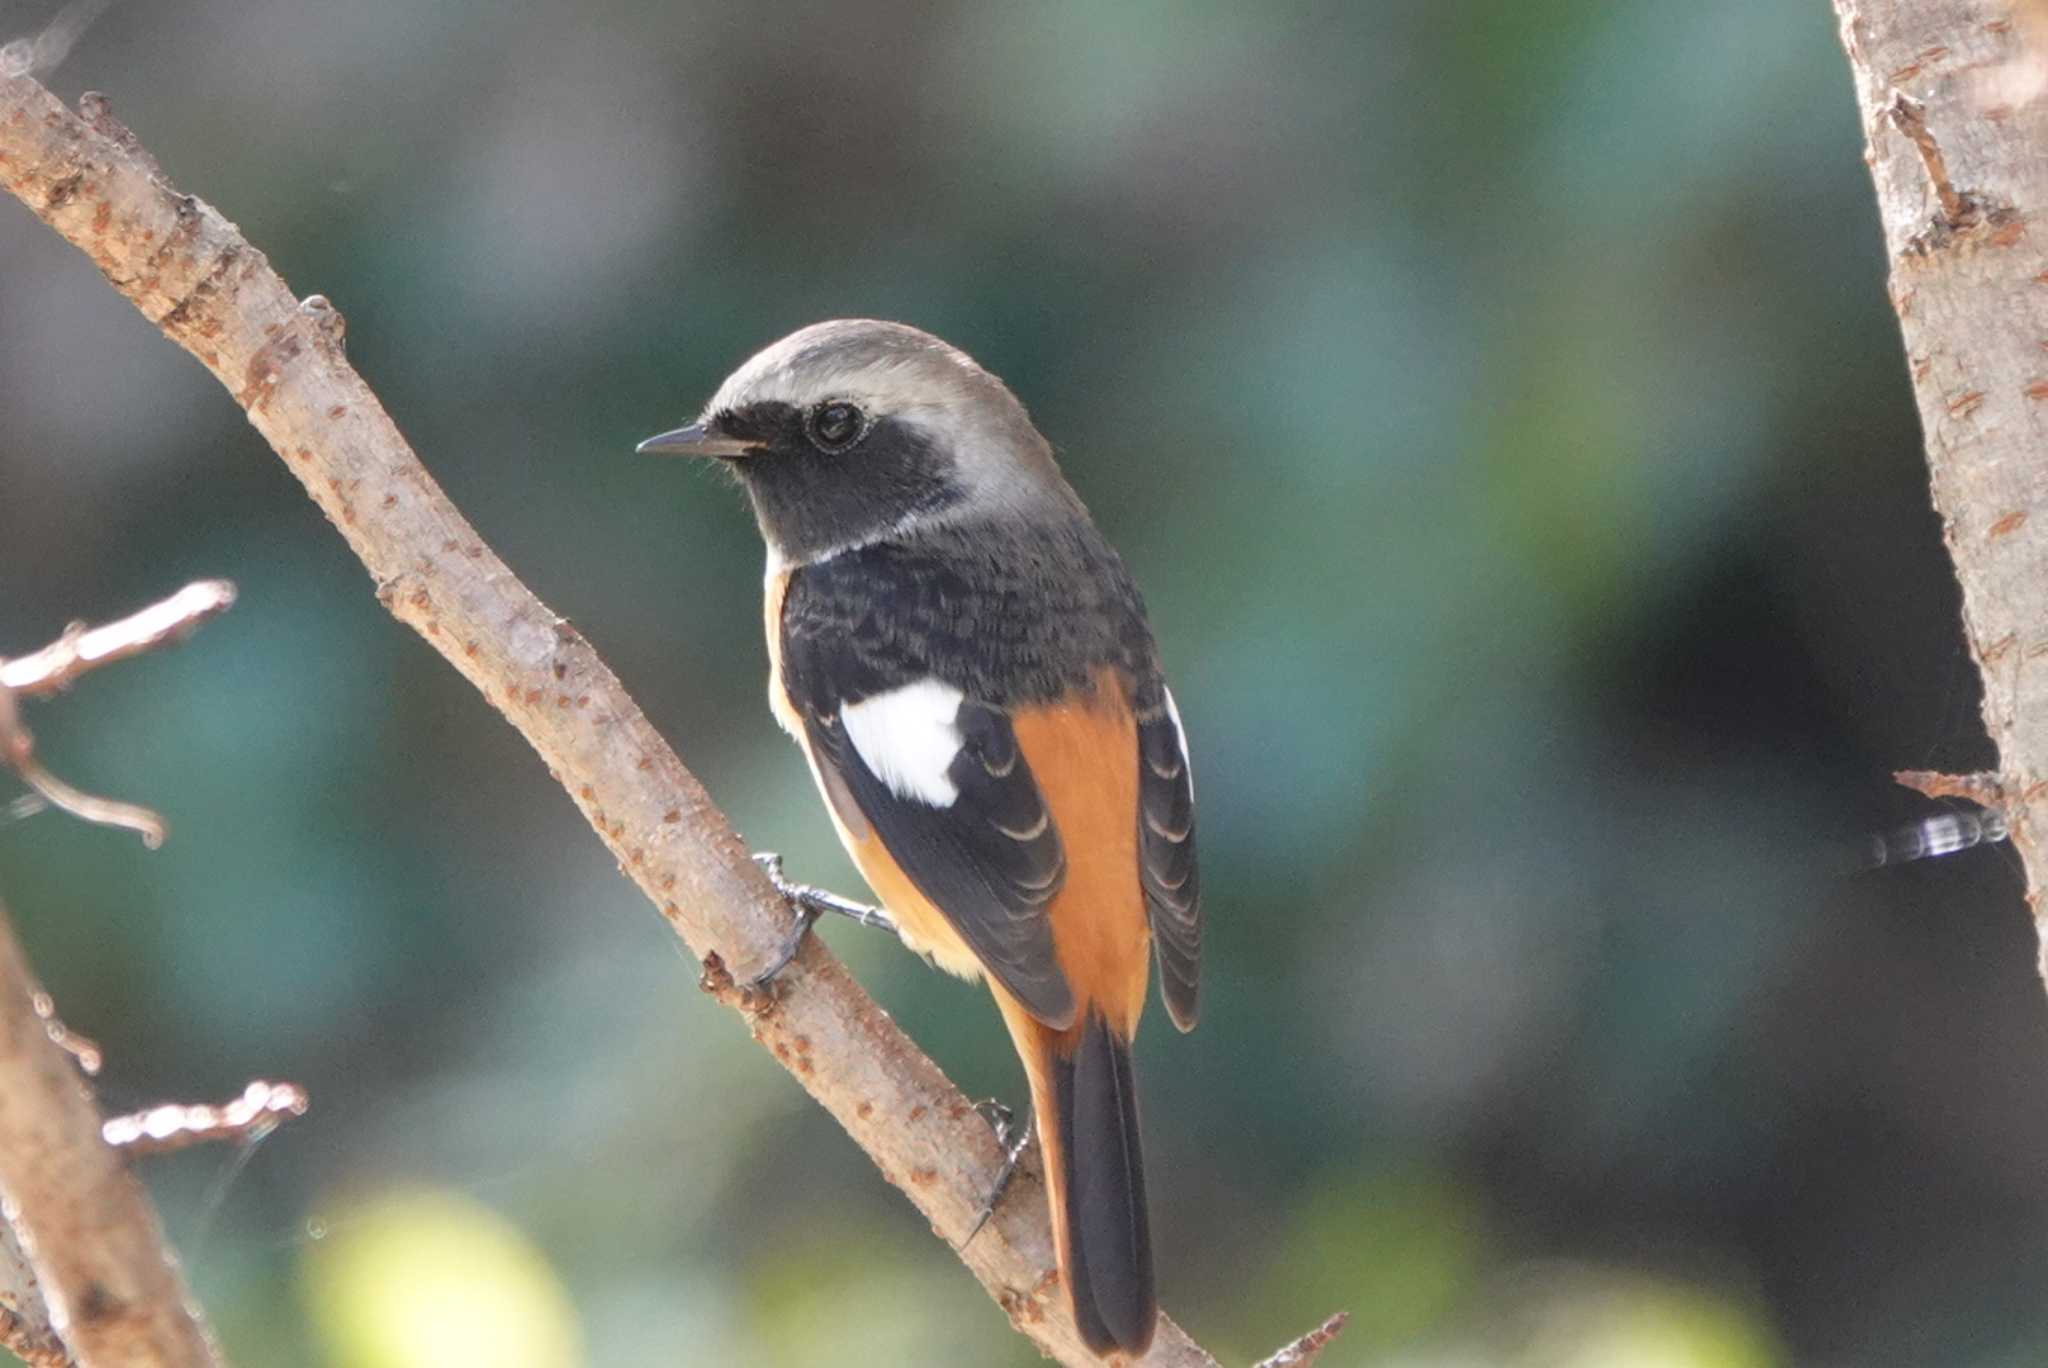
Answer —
(909, 737)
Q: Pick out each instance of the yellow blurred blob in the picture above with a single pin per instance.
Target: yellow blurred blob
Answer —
(1646, 1323)
(426, 1278)
(1566, 1315)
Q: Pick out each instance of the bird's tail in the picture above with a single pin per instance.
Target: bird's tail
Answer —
(1086, 1106)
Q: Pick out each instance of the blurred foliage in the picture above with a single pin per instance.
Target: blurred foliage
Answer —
(1500, 407)
(425, 1278)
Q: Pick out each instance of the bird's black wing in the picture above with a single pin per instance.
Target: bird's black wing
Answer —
(935, 772)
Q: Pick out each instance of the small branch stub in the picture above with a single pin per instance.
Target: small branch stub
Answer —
(1981, 788)
(1909, 116)
(1306, 1350)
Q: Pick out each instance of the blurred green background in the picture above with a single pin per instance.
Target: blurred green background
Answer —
(1501, 409)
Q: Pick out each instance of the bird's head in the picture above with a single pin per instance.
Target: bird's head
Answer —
(851, 431)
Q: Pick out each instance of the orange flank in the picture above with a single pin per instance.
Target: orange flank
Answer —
(1083, 751)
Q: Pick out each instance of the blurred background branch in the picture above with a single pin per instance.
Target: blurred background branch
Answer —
(190, 271)
(1957, 143)
(244, 1120)
(111, 1286)
(56, 666)
(80, 649)
(85, 1275)
(24, 1320)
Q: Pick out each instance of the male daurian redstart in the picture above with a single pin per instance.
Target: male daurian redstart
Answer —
(969, 671)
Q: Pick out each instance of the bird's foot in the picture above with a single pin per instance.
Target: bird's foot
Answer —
(808, 903)
(1012, 1138)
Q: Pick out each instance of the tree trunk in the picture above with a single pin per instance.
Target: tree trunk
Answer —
(1957, 134)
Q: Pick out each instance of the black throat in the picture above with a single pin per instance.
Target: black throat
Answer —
(810, 502)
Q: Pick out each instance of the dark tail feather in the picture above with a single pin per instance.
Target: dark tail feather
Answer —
(1109, 1255)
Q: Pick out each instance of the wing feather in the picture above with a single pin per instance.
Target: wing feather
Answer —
(950, 797)
(1166, 854)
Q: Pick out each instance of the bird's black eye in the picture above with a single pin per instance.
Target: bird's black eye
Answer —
(837, 425)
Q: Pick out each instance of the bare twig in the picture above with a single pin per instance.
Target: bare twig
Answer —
(82, 648)
(1309, 1347)
(143, 821)
(1971, 292)
(111, 1288)
(192, 274)
(260, 1109)
(17, 752)
(87, 1052)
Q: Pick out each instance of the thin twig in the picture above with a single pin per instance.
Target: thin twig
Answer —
(260, 1109)
(86, 1051)
(82, 648)
(86, 807)
(193, 274)
(1309, 1347)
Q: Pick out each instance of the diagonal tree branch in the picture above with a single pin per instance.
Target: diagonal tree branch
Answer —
(192, 274)
(1951, 95)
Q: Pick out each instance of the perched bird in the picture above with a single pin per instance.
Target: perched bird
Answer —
(968, 669)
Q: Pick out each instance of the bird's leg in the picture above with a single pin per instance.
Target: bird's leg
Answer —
(1012, 1138)
(809, 904)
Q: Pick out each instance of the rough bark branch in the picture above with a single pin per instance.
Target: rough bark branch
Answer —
(194, 276)
(99, 1276)
(1957, 142)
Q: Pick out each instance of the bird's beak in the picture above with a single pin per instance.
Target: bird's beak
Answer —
(694, 440)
